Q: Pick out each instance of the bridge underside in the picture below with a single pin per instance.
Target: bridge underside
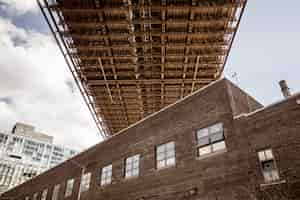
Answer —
(131, 58)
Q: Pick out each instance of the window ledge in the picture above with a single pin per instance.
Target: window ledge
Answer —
(211, 154)
(130, 178)
(273, 183)
(163, 168)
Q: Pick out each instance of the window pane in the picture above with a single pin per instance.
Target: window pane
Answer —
(268, 165)
(108, 180)
(135, 172)
(161, 164)
(136, 158)
(55, 192)
(128, 173)
(204, 150)
(269, 154)
(216, 128)
(69, 187)
(128, 167)
(170, 154)
(170, 146)
(164, 156)
(106, 175)
(132, 167)
(219, 146)
(35, 196)
(160, 156)
(128, 161)
(85, 182)
(170, 161)
(203, 141)
(160, 149)
(261, 156)
(217, 137)
(135, 164)
(202, 133)
(275, 175)
(267, 176)
(44, 194)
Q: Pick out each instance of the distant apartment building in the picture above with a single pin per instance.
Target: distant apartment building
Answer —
(25, 153)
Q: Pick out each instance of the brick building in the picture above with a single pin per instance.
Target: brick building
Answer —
(217, 143)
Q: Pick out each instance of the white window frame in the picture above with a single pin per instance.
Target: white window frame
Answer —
(85, 182)
(44, 194)
(266, 155)
(165, 155)
(69, 187)
(106, 175)
(55, 192)
(132, 166)
(210, 140)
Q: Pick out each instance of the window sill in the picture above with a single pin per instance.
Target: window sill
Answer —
(130, 178)
(167, 167)
(211, 154)
(273, 183)
(105, 185)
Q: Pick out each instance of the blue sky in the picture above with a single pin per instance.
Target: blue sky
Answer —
(265, 51)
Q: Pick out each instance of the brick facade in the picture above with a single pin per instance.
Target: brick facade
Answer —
(233, 173)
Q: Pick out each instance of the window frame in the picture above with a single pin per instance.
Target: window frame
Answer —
(165, 157)
(85, 182)
(69, 188)
(211, 145)
(263, 172)
(132, 166)
(104, 179)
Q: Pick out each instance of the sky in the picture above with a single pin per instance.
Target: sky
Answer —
(37, 88)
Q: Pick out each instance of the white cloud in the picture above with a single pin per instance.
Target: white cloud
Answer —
(18, 7)
(34, 75)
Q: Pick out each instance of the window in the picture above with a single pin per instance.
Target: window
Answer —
(35, 195)
(85, 182)
(132, 166)
(55, 192)
(211, 139)
(106, 175)
(165, 155)
(69, 187)
(44, 194)
(268, 165)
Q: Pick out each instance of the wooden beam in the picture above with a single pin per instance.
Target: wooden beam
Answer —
(95, 24)
(109, 9)
(105, 80)
(195, 74)
(146, 81)
(124, 35)
(140, 45)
(169, 56)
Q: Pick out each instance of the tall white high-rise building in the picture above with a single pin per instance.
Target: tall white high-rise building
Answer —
(24, 153)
